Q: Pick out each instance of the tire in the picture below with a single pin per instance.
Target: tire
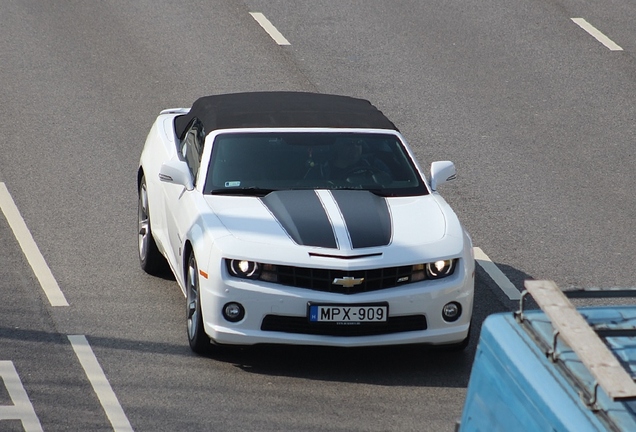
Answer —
(150, 259)
(199, 340)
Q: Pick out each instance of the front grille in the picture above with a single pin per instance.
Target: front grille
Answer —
(340, 281)
(322, 279)
(302, 325)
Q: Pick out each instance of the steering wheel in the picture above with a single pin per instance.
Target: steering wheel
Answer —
(361, 171)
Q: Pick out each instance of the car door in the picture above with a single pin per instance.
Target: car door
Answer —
(180, 203)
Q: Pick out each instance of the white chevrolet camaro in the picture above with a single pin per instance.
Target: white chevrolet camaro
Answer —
(302, 218)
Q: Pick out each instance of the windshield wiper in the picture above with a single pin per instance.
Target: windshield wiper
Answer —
(376, 191)
(255, 191)
(249, 191)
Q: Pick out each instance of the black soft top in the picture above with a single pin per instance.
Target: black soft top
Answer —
(282, 109)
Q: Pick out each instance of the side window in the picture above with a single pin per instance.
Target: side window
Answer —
(192, 147)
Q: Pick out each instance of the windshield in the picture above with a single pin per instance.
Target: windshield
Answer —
(259, 163)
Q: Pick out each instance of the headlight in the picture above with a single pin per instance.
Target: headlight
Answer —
(440, 269)
(244, 269)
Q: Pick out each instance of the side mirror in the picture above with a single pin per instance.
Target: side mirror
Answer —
(176, 172)
(441, 172)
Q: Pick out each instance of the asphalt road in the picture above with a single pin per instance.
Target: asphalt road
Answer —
(536, 113)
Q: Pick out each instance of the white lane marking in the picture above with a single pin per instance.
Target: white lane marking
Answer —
(22, 409)
(30, 249)
(269, 28)
(493, 271)
(101, 386)
(581, 22)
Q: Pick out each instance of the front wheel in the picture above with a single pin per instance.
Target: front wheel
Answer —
(150, 259)
(199, 341)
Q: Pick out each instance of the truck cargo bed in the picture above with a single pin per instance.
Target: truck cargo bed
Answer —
(558, 368)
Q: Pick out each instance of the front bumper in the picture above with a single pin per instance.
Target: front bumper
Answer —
(286, 307)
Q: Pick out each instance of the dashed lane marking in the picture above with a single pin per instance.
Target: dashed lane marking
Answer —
(30, 249)
(101, 386)
(581, 22)
(22, 409)
(497, 275)
(269, 28)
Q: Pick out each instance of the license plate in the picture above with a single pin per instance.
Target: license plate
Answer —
(334, 313)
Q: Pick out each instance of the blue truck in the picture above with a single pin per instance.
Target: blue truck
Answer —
(557, 368)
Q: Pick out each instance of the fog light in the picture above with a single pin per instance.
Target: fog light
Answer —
(233, 312)
(451, 311)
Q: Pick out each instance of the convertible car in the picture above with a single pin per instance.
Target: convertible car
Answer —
(302, 218)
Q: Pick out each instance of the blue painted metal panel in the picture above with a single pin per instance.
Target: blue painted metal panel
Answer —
(515, 386)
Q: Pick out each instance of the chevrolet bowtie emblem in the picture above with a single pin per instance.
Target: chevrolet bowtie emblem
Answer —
(347, 281)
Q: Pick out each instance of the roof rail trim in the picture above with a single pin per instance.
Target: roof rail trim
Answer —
(575, 331)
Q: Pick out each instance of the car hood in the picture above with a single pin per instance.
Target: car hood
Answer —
(344, 220)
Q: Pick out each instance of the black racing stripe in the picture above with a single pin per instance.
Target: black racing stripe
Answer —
(302, 216)
(366, 216)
